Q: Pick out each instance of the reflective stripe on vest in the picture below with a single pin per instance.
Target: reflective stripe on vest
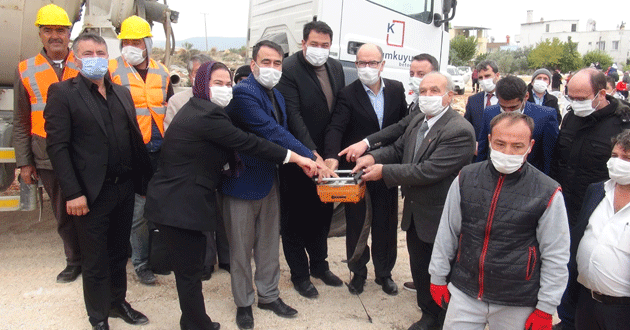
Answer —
(37, 75)
(149, 96)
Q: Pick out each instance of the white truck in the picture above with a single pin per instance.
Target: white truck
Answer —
(403, 29)
(20, 41)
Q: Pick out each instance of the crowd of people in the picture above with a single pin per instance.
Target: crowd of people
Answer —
(512, 212)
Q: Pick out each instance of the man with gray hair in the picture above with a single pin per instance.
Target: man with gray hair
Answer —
(97, 152)
(178, 100)
(424, 161)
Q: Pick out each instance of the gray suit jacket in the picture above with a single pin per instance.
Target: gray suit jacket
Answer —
(448, 146)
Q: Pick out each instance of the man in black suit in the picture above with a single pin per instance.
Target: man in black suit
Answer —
(310, 82)
(97, 152)
(366, 106)
(424, 161)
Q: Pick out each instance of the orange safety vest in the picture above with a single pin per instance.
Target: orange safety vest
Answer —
(149, 97)
(37, 75)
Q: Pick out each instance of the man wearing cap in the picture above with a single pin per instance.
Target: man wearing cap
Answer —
(538, 91)
(310, 83)
(53, 64)
(241, 73)
(149, 84)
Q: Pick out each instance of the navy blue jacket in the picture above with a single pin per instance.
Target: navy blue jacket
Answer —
(251, 110)
(474, 112)
(545, 134)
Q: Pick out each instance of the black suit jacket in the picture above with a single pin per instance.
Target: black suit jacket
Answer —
(354, 118)
(196, 145)
(425, 179)
(77, 141)
(306, 105)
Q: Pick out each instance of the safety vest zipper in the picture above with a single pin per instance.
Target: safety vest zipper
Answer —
(484, 251)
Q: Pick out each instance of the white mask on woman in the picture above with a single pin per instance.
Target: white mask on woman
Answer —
(221, 95)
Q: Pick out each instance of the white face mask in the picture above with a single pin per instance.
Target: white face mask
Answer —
(221, 95)
(506, 164)
(414, 84)
(516, 110)
(369, 76)
(431, 105)
(268, 77)
(487, 85)
(539, 86)
(133, 55)
(583, 108)
(619, 170)
(316, 56)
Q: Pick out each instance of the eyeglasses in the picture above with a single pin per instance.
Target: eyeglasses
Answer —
(371, 64)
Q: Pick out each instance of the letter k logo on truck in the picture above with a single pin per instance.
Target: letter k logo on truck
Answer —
(396, 33)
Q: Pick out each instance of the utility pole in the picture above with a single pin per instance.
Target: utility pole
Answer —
(205, 26)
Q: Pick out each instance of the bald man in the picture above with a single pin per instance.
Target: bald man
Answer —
(364, 107)
(583, 148)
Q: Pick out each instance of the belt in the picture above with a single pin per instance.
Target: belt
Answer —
(609, 300)
(117, 179)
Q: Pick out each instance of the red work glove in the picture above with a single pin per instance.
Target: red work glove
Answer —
(440, 295)
(538, 320)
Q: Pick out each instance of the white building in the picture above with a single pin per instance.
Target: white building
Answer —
(615, 43)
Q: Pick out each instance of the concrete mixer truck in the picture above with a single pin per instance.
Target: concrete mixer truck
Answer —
(20, 41)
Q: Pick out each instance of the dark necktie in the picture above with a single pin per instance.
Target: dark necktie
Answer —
(423, 129)
(489, 97)
(276, 111)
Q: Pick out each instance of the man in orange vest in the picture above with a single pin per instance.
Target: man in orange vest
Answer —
(149, 84)
(34, 75)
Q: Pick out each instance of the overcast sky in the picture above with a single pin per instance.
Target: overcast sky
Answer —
(228, 18)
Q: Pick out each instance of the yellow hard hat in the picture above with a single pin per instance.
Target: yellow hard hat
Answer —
(52, 15)
(134, 27)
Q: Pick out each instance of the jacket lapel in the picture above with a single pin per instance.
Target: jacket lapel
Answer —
(432, 134)
(89, 101)
(364, 101)
(311, 73)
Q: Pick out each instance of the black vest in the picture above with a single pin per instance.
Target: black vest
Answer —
(498, 260)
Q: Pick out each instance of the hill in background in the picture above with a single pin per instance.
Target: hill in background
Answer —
(221, 43)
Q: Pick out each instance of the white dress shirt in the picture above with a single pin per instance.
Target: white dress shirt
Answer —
(603, 256)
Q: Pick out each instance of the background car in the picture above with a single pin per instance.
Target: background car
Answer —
(458, 79)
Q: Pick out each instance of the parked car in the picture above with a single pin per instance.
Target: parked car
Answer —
(458, 79)
(466, 72)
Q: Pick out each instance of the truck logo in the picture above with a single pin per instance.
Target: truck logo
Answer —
(396, 33)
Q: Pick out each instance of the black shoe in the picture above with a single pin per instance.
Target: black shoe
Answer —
(207, 273)
(409, 286)
(427, 322)
(356, 284)
(279, 307)
(306, 289)
(128, 314)
(69, 274)
(213, 326)
(329, 278)
(101, 326)
(225, 267)
(146, 276)
(244, 318)
(388, 285)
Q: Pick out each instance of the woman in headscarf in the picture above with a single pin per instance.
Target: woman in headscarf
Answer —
(181, 198)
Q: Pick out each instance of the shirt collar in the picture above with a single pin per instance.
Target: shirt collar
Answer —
(434, 119)
(369, 91)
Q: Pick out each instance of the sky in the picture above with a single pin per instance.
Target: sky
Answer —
(228, 18)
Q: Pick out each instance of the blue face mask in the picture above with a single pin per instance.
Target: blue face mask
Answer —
(94, 67)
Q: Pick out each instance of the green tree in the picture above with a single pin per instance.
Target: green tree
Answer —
(571, 60)
(595, 56)
(462, 50)
(546, 54)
